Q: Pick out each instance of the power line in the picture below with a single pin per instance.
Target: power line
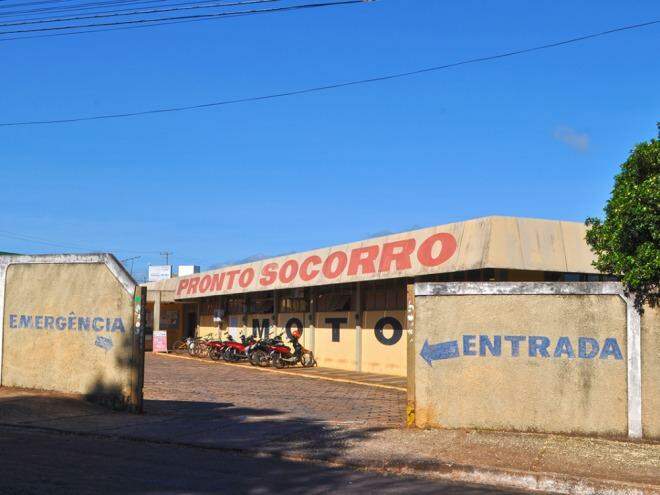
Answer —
(121, 28)
(80, 6)
(190, 17)
(41, 2)
(47, 242)
(140, 10)
(338, 85)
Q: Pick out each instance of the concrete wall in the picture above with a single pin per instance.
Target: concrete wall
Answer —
(335, 349)
(651, 372)
(69, 324)
(383, 349)
(513, 359)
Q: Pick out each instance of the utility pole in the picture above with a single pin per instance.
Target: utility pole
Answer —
(131, 260)
(167, 255)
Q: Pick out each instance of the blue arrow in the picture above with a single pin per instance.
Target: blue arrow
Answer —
(443, 350)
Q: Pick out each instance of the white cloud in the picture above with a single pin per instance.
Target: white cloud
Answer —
(579, 141)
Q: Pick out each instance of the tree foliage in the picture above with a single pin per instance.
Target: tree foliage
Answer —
(627, 242)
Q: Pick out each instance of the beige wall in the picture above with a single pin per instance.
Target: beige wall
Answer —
(260, 317)
(283, 318)
(206, 327)
(56, 350)
(331, 354)
(651, 372)
(378, 357)
(550, 394)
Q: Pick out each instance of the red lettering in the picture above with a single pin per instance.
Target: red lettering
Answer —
(269, 274)
(216, 283)
(232, 276)
(205, 283)
(398, 252)
(288, 271)
(192, 286)
(342, 260)
(365, 258)
(425, 251)
(246, 277)
(182, 285)
(305, 274)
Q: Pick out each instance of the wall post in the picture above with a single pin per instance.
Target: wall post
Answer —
(137, 369)
(410, 353)
(358, 326)
(312, 316)
(156, 324)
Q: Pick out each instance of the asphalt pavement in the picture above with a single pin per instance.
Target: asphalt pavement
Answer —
(40, 462)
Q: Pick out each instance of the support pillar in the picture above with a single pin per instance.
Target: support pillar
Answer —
(312, 317)
(358, 326)
(156, 324)
(410, 353)
(276, 308)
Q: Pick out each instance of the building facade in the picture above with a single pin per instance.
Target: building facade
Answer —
(349, 301)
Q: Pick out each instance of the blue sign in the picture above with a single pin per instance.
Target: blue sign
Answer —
(69, 322)
(104, 343)
(512, 345)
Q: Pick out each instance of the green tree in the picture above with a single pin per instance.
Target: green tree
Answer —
(627, 242)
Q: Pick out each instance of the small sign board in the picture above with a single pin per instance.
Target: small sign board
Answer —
(159, 272)
(159, 342)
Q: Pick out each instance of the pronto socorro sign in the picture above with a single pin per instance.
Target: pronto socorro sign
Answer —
(364, 261)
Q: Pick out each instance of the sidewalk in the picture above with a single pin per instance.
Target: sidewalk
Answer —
(330, 374)
(531, 462)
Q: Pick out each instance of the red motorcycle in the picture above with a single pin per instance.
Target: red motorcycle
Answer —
(216, 349)
(281, 355)
(237, 351)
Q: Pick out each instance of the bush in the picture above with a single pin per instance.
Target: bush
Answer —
(627, 242)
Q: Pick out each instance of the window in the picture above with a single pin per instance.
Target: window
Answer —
(261, 304)
(169, 320)
(293, 301)
(335, 298)
(235, 305)
(382, 296)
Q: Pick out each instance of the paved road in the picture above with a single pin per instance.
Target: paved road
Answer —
(37, 462)
(207, 428)
(171, 379)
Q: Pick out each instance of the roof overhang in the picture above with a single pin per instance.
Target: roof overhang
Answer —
(490, 242)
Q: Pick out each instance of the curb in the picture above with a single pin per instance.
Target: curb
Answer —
(537, 482)
(292, 373)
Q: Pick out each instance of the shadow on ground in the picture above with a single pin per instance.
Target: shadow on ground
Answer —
(179, 447)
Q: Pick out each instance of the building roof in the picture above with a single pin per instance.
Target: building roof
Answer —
(490, 242)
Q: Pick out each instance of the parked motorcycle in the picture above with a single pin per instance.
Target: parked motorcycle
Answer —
(216, 349)
(281, 355)
(237, 351)
(259, 352)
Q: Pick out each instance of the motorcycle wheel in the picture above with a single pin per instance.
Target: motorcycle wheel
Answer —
(277, 361)
(229, 355)
(307, 360)
(260, 358)
(214, 353)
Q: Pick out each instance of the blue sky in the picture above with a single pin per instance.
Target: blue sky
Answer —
(538, 135)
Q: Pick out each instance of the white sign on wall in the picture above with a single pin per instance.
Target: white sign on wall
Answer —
(159, 272)
(187, 270)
